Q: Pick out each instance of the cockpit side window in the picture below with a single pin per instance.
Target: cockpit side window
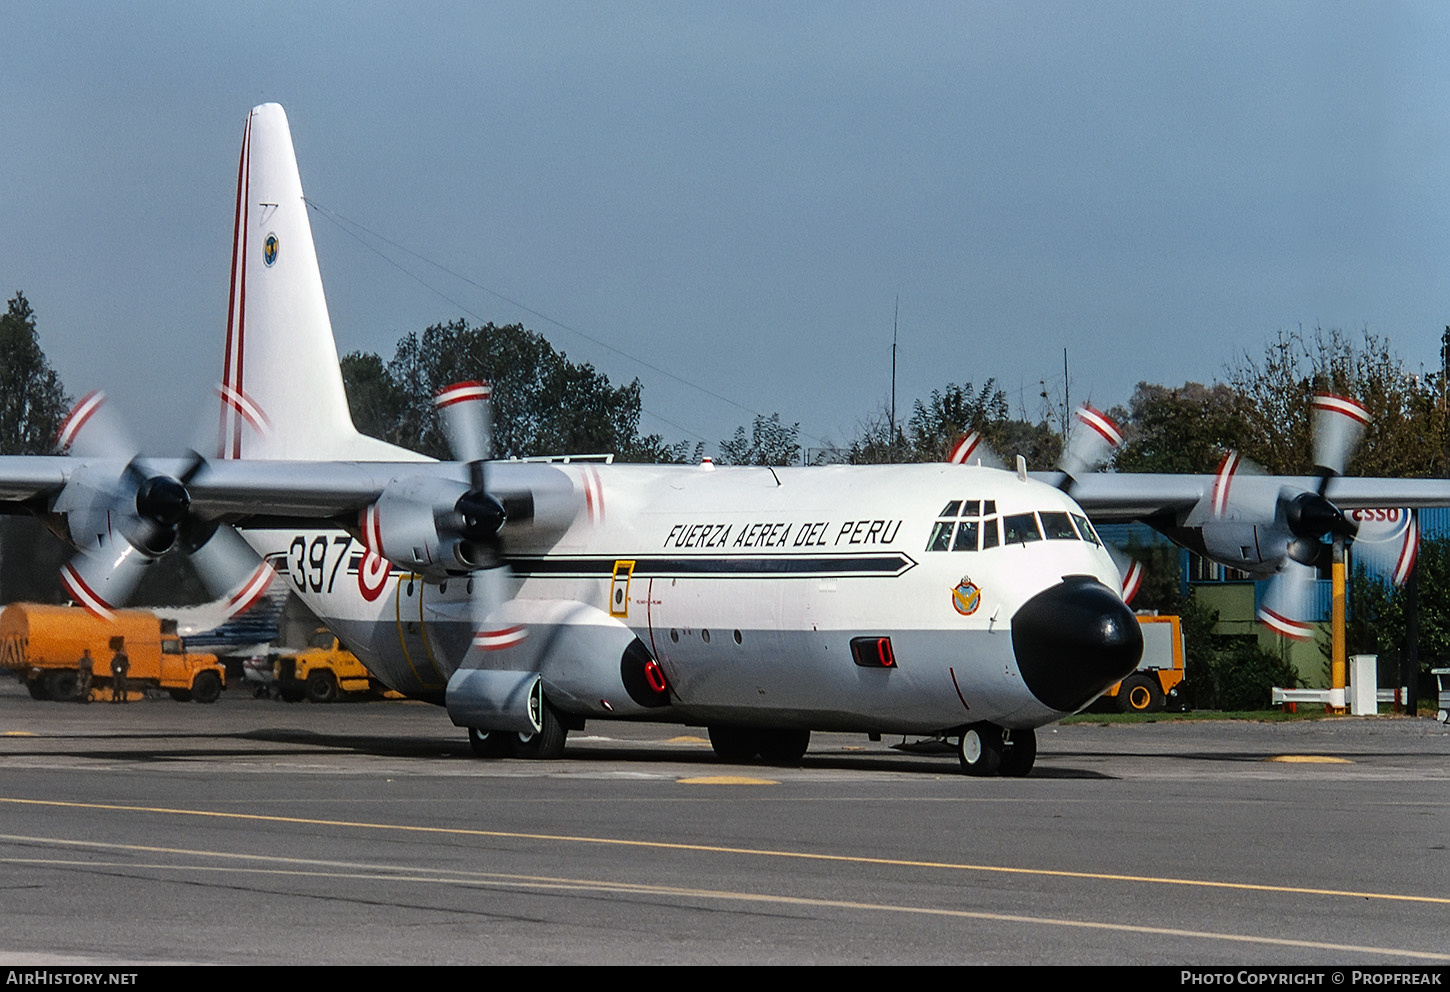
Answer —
(1020, 528)
(1086, 529)
(990, 537)
(1057, 526)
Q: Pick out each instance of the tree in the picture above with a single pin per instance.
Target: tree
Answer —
(32, 401)
(543, 403)
(936, 425)
(1181, 430)
(770, 443)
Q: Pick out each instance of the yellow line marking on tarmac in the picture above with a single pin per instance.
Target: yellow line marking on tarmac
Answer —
(748, 851)
(308, 868)
(1310, 759)
(16, 733)
(686, 739)
(726, 780)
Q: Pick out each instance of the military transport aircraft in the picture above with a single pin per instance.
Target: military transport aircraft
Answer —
(527, 597)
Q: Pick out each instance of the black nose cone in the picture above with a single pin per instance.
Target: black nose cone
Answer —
(1075, 640)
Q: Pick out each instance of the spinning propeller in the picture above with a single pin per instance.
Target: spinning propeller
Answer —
(122, 516)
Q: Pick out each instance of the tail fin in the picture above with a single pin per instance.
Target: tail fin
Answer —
(281, 390)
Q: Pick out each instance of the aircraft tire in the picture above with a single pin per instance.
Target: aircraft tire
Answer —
(490, 744)
(737, 745)
(980, 749)
(548, 743)
(1140, 694)
(783, 747)
(321, 687)
(1020, 755)
(206, 687)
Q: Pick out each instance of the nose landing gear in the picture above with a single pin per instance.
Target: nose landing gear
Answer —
(986, 749)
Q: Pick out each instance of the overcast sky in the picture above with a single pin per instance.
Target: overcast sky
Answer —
(738, 193)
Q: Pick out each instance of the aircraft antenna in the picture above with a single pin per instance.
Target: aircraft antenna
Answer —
(895, 315)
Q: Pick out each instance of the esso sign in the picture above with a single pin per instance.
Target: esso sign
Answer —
(1380, 514)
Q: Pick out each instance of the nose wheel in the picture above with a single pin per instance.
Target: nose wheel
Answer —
(986, 749)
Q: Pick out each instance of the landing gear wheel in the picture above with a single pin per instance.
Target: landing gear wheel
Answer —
(1140, 694)
(490, 743)
(980, 749)
(783, 747)
(1020, 754)
(321, 687)
(548, 743)
(206, 687)
(734, 744)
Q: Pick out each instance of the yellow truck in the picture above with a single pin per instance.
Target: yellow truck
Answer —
(1160, 672)
(322, 672)
(42, 647)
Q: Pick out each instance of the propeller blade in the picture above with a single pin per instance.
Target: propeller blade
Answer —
(466, 412)
(490, 588)
(92, 430)
(1129, 568)
(102, 579)
(1089, 443)
(231, 571)
(972, 449)
(1288, 601)
(1388, 541)
(1339, 423)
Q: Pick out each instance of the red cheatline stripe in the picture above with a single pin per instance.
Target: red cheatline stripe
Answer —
(964, 448)
(244, 405)
(227, 369)
(497, 640)
(1351, 408)
(1289, 628)
(1222, 480)
(1132, 580)
(83, 594)
(1100, 422)
(76, 419)
(462, 392)
(247, 596)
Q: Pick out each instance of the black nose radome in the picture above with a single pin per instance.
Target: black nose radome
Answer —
(1073, 641)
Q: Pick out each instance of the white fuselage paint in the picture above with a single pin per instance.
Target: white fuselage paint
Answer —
(747, 585)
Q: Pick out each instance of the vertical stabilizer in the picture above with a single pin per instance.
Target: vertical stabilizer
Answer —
(281, 389)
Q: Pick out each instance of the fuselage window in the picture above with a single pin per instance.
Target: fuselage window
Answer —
(941, 536)
(989, 533)
(1086, 529)
(1057, 526)
(966, 536)
(1019, 528)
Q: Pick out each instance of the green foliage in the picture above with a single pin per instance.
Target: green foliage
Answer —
(935, 426)
(543, 403)
(1240, 676)
(1182, 430)
(1376, 623)
(770, 443)
(32, 401)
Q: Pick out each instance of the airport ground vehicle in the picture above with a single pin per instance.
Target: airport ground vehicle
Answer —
(42, 646)
(1159, 674)
(323, 672)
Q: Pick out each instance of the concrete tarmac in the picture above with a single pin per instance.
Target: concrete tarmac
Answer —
(254, 832)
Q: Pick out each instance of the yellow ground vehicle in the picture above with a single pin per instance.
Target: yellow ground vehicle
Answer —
(1159, 673)
(42, 646)
(322, 672)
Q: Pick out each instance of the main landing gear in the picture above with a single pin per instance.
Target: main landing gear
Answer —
(774, 747)
(547, 744)
(987, 749)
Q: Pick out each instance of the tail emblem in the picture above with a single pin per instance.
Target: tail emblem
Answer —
(269, 249)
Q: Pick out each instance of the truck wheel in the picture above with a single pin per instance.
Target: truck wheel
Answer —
(37, 689)
(60, 684)
(548, 743)
(1140, 694)
(980, 749)
(180, 695)
(1020, 754)
(292, 693)
(321, 687)
(206, 687)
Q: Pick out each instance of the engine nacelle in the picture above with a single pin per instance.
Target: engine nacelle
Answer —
(415, 525)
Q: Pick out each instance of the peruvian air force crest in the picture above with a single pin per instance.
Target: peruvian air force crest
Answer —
(966, 597)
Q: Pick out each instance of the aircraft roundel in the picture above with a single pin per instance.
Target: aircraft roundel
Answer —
(966, 597)
(269, 249)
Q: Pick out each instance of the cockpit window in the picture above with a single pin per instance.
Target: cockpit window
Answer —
(971, 508)
(1086, 529)
(941, 536)
(1057, 526)
(966, 536)
(990, 507)
(990, 538)
(1019, 528)
(950, 510)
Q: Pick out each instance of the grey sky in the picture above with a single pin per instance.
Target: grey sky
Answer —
(738, 192)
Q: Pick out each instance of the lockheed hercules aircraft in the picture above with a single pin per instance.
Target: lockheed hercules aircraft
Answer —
(960, 600)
